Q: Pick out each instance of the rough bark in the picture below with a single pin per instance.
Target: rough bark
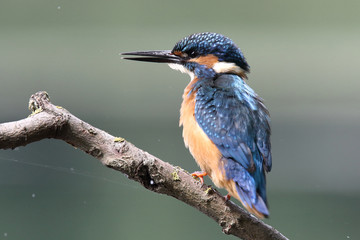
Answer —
(50, 121)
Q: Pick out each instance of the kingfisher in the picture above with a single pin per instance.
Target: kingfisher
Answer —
(226, 125)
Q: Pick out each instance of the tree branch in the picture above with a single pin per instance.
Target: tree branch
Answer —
(50, 121)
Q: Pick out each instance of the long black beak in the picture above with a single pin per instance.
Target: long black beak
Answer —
(153, 56)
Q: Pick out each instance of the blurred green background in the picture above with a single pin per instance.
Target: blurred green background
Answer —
(304, 58)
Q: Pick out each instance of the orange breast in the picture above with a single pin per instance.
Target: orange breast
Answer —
(205, 152)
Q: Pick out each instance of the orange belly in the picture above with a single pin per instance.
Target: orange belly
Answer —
(204, 151)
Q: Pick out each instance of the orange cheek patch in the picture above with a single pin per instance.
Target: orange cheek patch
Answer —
(208, 60)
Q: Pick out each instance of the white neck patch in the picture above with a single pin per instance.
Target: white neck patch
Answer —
(182, 69)
(219, 67)
(226, 67)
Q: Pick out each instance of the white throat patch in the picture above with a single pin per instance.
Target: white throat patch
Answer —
(182, 69)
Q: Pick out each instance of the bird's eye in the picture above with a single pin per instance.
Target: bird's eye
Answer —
(192, 54)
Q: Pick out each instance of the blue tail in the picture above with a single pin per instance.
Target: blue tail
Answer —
(257, 206)
(250, 186)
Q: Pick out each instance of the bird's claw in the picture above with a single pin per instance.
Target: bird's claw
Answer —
(227, 197)
(199, 175)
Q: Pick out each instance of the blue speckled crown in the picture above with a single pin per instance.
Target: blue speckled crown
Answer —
(200, 44)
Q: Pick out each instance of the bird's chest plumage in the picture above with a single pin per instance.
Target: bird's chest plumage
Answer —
(206, 154)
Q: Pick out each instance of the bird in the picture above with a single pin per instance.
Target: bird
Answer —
(226, 125)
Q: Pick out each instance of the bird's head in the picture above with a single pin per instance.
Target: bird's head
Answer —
(200, 54)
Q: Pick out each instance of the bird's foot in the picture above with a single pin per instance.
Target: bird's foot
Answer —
(199, 175)
(227, 197)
